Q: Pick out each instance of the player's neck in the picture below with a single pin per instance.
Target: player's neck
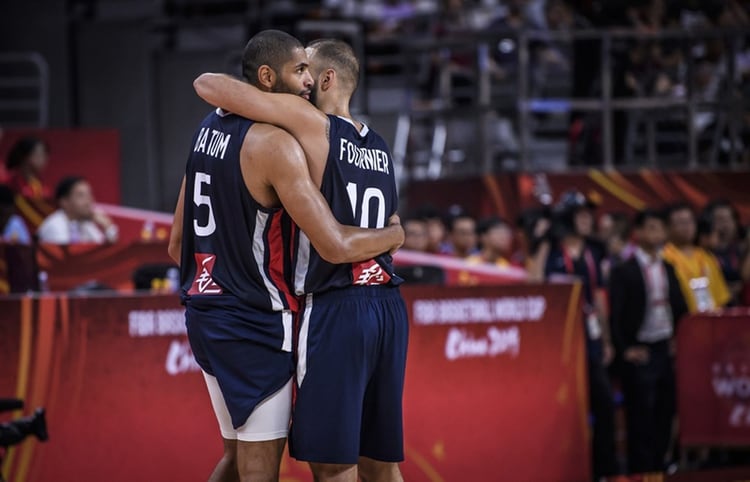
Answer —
(340, 109)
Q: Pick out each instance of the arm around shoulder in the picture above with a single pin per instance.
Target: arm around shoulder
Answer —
(287, 171)
(288, 111)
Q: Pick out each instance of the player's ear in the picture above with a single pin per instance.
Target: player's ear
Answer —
(328, 77)
(266, 76)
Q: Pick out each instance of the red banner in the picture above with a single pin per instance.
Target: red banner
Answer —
(495, 384)
(713, 379)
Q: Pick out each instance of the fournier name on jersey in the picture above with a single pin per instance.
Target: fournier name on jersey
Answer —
(363, 158)
(214, 145)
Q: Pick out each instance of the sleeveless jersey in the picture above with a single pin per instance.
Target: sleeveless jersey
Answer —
(231, 245)
(360, 187)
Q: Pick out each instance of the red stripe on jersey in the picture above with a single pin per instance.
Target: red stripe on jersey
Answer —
(293, 238)
(276, 260)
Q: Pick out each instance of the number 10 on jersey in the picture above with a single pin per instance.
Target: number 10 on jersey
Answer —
(370, 194)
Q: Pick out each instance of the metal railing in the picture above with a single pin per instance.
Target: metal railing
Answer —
(24, 89)
(726, 106)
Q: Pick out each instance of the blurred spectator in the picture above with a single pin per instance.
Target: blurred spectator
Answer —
(415, 230)
(697, 270)
(436, 233)
(495, 241)
(25, 163)
(617, 242)
(646, 304)
(745, 269)
(462, 235)
(728, 245)
(705, 236)
(76, 220)
(604, 226)
(573, 254)
(12, 227)
(533, 240)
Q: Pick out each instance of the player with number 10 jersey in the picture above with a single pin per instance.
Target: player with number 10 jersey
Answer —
(360, 187)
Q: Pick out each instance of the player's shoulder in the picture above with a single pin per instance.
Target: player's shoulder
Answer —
(268, 133)
(266, 138)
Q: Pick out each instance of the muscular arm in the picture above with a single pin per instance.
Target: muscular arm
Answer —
(285, 168)
(290, 112)
(175, 236)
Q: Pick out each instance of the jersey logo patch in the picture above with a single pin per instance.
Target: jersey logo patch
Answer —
(369, 273)
(204, 284)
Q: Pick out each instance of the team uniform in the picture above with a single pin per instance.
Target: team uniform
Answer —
(354, 329)
(239, 310)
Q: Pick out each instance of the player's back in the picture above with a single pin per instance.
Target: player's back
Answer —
(360, 187)
(233, 249)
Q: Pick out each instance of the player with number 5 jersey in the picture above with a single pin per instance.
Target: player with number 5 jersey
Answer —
(347, 419)
(232, 239)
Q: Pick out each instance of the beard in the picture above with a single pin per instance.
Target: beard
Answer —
(314, 96)
(283, 88)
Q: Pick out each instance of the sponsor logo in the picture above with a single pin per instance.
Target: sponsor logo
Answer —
(147, 323)
(731, 380)
(369, 273)
(479, 310)
(204, 284)
(180, 358)
(462, 344)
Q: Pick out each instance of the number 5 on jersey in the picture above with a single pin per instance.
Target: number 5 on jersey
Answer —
(201, 199)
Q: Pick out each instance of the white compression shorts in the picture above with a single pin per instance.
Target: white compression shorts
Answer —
(269, 420)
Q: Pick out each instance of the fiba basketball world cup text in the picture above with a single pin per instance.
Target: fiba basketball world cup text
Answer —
(468, 342)
(165, 323)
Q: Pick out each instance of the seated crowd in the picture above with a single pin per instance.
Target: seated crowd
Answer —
(639, 277)
(712, 239)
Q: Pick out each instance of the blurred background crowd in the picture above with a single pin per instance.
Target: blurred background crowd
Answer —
(460, 89)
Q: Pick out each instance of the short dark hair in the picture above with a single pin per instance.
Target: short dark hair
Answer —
(715, 204)
(339, 56)
(642, 216)
(676, 207)
(66, 185)
(21, 151)
(456, 212)
(268, 47)
(485, 224)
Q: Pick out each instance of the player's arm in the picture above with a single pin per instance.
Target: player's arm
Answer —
(285, 168)
(290, 112)
(175, 236)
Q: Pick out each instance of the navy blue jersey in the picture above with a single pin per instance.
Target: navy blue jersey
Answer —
(231, 245)
(360, 187)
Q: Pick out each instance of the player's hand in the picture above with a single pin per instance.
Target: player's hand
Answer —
(395, 220)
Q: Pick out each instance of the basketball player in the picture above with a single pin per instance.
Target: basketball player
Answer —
(353, 336)
(228, 236)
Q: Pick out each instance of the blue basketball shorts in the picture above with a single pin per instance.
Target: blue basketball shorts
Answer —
(351, 357)
(242, 348)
